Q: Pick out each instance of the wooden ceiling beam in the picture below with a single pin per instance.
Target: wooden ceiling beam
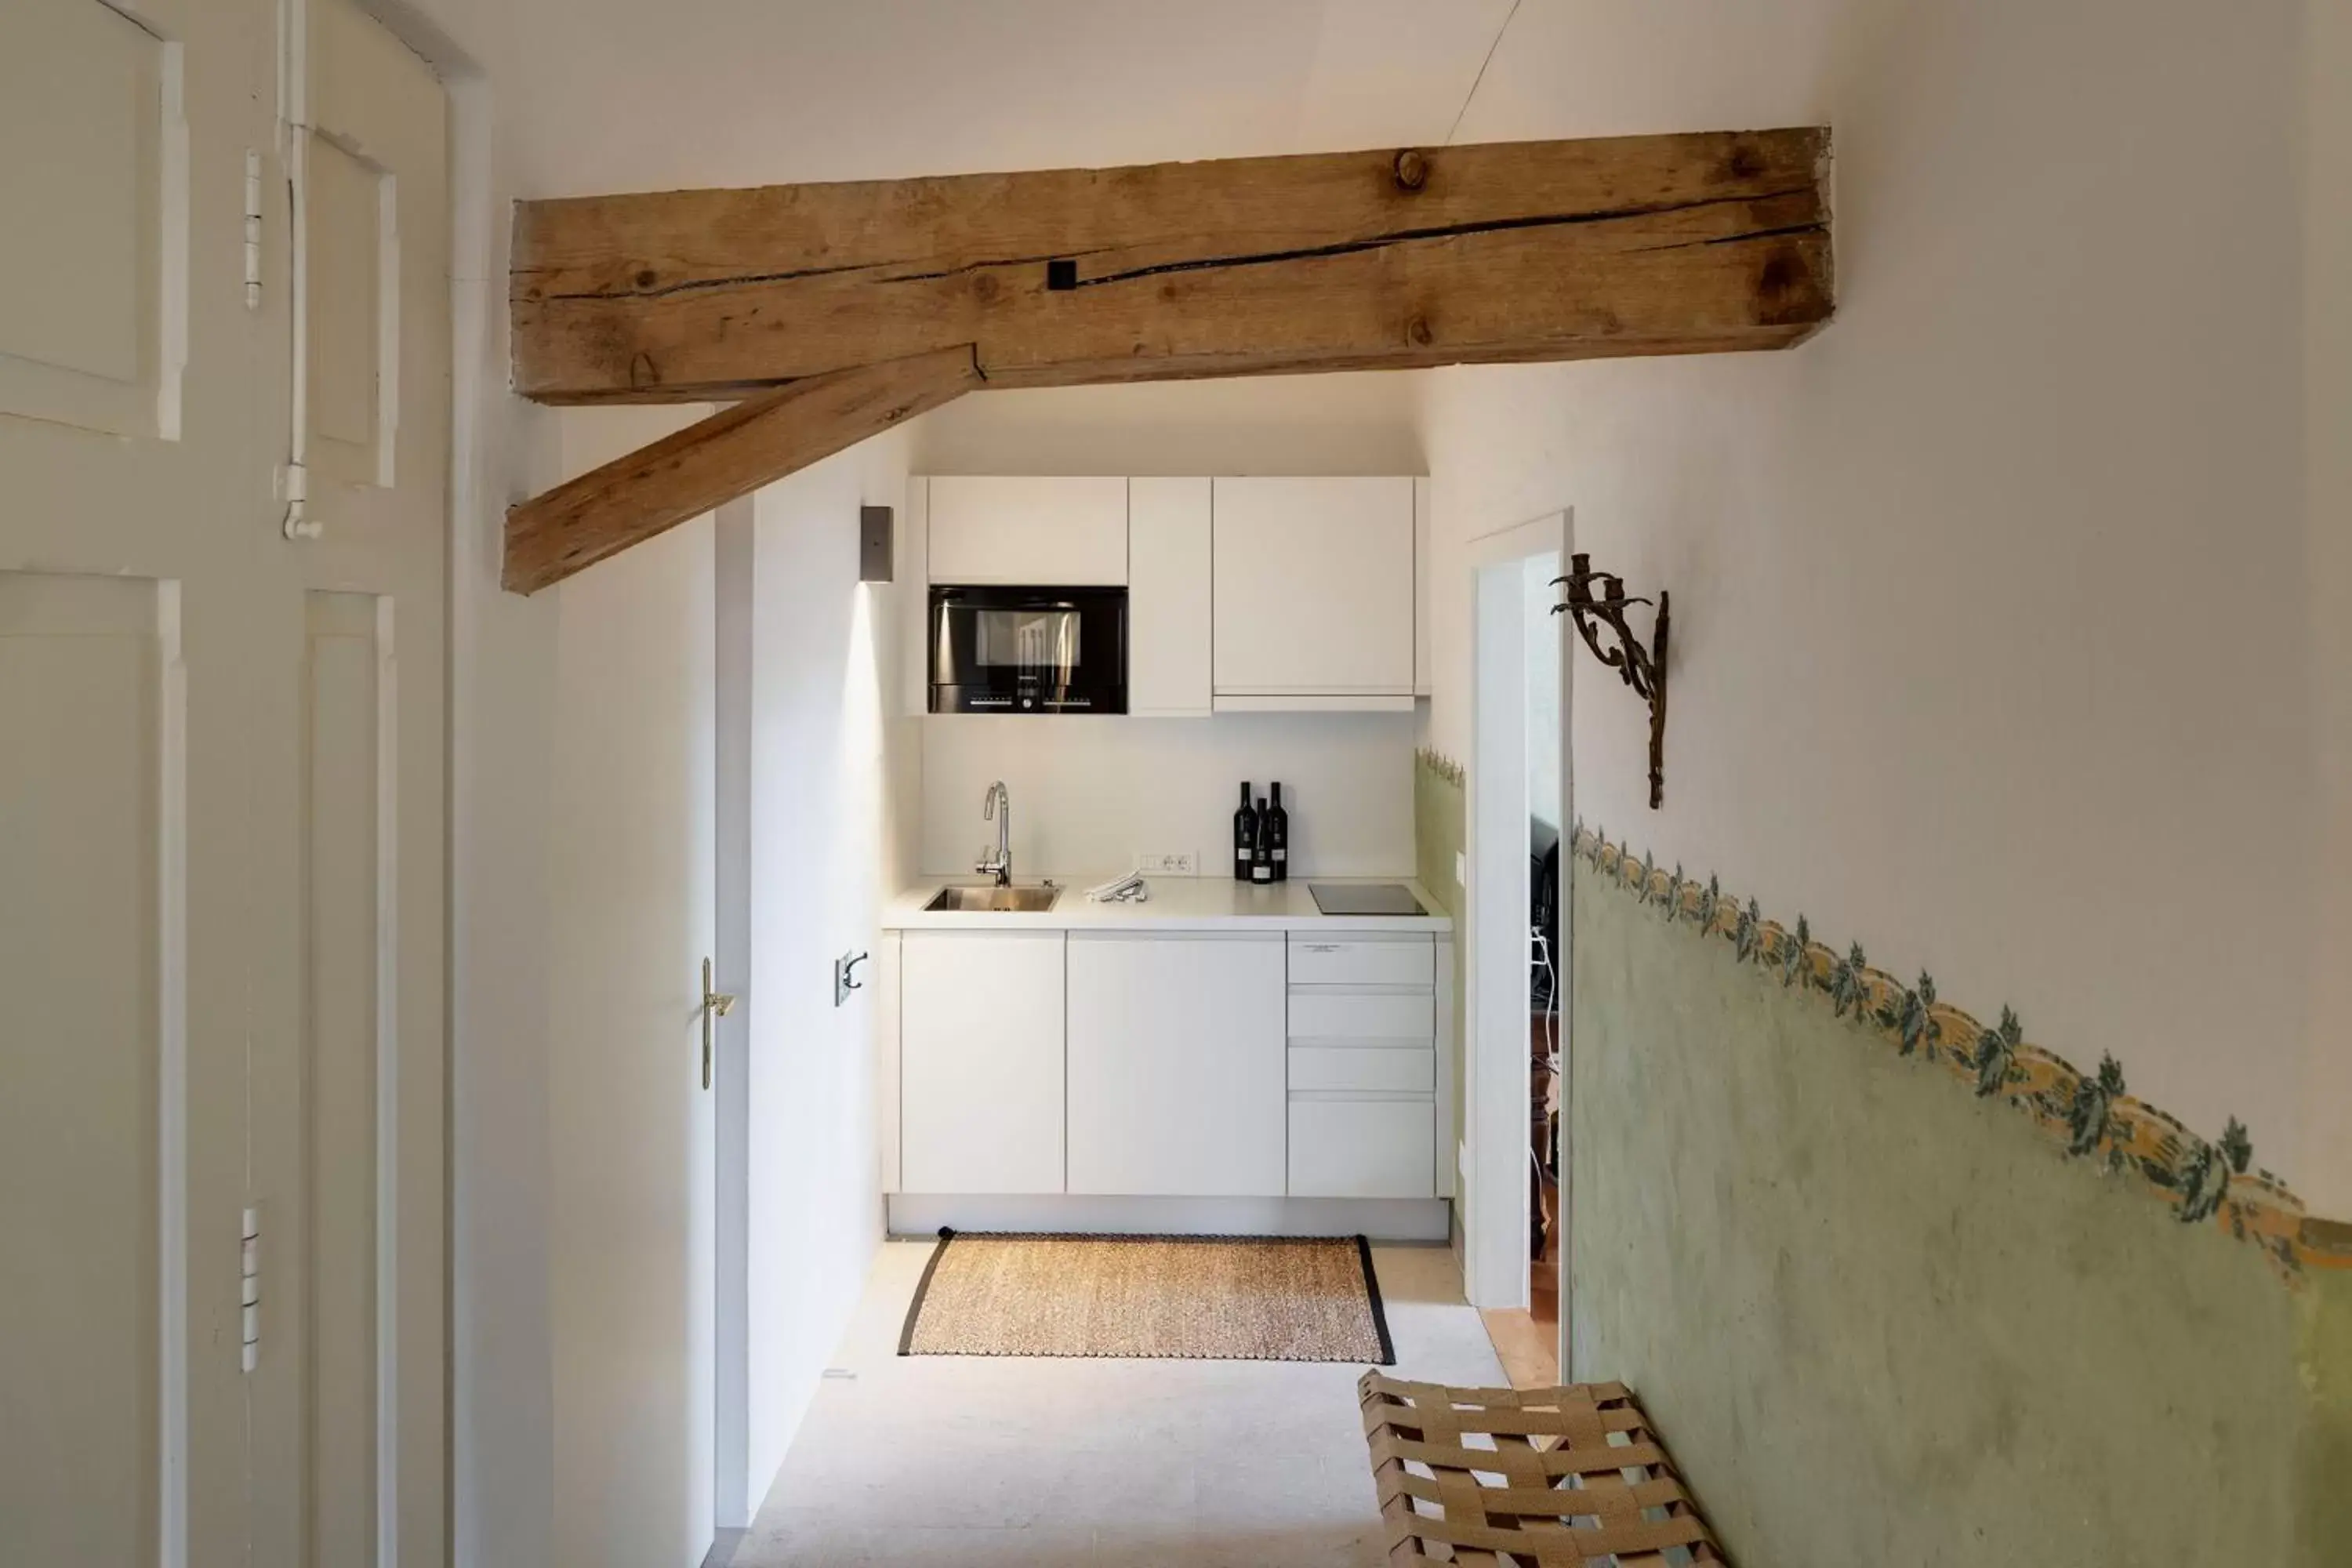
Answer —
(836, 311)
(1509, 251)
(713, 461)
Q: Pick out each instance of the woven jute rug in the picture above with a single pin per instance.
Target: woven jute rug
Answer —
(1153, 1297)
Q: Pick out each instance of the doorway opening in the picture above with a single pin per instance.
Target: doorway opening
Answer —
(1515, 1223)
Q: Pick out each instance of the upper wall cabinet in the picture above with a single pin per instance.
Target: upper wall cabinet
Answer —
(1168, 598)
(1057, 532)
(1314, 600)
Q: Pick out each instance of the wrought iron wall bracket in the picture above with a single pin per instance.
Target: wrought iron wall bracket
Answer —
(1595, 599)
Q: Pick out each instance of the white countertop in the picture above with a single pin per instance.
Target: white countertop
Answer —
(1178, 903)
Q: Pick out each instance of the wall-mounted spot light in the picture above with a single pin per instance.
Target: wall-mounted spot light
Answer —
(873, 534)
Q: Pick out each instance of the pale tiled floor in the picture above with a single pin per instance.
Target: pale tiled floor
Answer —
(1052, 1464)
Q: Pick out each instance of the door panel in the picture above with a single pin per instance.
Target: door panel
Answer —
(349, 1054)
(347, 1060)
(136, 864)
(86, 1079)
(632, 1238)
(88, 335)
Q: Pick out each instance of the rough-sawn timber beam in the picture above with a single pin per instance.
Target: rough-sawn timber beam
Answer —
(1698, 243)
(711, 462)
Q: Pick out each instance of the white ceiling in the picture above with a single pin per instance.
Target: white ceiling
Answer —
(617, 95)
(610, 95)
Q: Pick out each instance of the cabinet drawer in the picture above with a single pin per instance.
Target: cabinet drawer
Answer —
(1362, 1148)
(1409, 1069)
(1406, 960)
(1362, 1015)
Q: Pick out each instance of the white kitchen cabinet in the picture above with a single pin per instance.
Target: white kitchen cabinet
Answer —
(1363, 1066)
(1176, 1064)
(1167, 598)
(1041, 531)
(980, 1061)
(1361, 1146)
(1384, 1067)
(1314, 592)
(1371, 960)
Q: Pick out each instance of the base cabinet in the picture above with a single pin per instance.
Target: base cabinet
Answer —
(1150, 1064)
(1176, 1064)
(1360, 1148)
(1363, 1067)
(980, 1061)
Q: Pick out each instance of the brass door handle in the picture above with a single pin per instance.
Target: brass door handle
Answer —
(715, 1004)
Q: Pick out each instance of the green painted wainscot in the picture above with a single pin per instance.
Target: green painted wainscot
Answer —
(1901, 1287)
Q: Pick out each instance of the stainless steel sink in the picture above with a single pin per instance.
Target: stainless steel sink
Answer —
(994, 900)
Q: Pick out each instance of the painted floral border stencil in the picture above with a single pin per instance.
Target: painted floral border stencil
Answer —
(2090, 1114)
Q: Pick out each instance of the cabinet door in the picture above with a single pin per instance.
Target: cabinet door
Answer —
(980, 1091)
(1052, 532)
(1361, 1146)
(1314, 582)
(1176, 1065)
(1167, 622)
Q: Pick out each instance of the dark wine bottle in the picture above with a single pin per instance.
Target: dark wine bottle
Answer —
(1262, 849)
(1278, 835)
(1244, 836)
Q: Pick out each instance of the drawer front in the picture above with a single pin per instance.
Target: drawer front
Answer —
(1363, 1015)
(1362, 1148)
(1407, 1069)
(1406, 960)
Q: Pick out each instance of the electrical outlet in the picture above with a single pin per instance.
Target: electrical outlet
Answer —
(1168, 863)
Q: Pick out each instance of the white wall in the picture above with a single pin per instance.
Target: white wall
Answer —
(828, 840)
(1088, 794)
(1994, 639)
(1361, 422)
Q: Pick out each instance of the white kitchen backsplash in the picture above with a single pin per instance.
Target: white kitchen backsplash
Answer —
(1090, 794)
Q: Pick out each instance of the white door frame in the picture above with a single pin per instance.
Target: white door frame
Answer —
(1494, 1122)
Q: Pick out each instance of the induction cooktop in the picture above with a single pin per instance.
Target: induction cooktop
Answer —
(1365, 899)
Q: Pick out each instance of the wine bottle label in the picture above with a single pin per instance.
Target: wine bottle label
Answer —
(1241, 853)
(1262, 873)
(1280, 854)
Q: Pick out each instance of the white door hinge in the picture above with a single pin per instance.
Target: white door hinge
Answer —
(252, 229)
(248, 1271)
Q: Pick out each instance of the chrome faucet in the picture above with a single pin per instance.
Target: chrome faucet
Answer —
(998, 803)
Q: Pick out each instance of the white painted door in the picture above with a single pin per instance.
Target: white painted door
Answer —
(980, 1079)
(221, 833)
(631, 1258)
(1176, 1051)
(348, 1153)
(1314, 592)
